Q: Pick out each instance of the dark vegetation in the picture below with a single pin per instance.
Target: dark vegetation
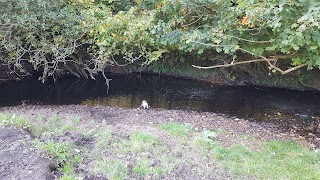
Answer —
(83, 37)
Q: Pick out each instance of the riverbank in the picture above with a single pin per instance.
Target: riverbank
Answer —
(96, 142)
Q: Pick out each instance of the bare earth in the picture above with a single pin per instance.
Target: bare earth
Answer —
(19, 160)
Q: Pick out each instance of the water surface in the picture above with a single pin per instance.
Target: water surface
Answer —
(256, 103)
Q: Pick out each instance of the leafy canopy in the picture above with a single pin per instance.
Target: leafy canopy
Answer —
(54, 34)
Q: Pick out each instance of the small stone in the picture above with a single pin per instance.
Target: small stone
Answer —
(310, 134)
(77, 150)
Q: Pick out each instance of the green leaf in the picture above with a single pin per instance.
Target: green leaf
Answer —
(218, 49)
(217, 41)
(296, 61)
(295, 47)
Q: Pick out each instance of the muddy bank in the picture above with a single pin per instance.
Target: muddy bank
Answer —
(136, 117)
(22, 161)
(18, 159)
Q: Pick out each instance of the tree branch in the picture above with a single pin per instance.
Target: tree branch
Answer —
(263, 59)
(233, 64)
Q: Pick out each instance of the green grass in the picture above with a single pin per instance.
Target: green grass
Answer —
(13, 120)
(138, 142)
(143, 150)
(177, 129)
(63, 154)
(113, 168)
(56, 126)
(144, 167)
(276, 160)
(69, 177)
(103, 137)
(206, 139)
(69, 172)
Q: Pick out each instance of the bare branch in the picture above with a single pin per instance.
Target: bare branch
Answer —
(233, 64)
(247, 40)
(263, 58)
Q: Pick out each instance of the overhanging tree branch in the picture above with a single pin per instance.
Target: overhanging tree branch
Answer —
(235, 63)
(271, 61)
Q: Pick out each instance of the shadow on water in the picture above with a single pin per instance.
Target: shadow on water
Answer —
(289, 108)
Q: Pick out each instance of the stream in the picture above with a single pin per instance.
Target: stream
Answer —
(299, 109)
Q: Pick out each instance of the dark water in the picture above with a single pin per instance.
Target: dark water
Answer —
(259, 104)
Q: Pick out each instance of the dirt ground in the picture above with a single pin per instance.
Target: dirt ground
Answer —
(19, 160)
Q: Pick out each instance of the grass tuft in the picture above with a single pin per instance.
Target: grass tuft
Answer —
(114, 169)
(177, 129)
(69, 177)
(63, 154)
(13, 120)
(145, 166)
(103, 138)
(138, 142)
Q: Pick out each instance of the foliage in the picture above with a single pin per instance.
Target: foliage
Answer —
(43, 32)
(55, 35)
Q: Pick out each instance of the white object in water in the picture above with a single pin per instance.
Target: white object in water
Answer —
(144, 104)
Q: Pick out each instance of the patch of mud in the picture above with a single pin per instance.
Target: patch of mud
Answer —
(77, 138)
(18, 160)
(187, 172)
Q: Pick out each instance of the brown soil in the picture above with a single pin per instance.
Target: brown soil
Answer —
(19, 161)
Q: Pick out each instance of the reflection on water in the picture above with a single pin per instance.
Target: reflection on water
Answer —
(261, 104)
